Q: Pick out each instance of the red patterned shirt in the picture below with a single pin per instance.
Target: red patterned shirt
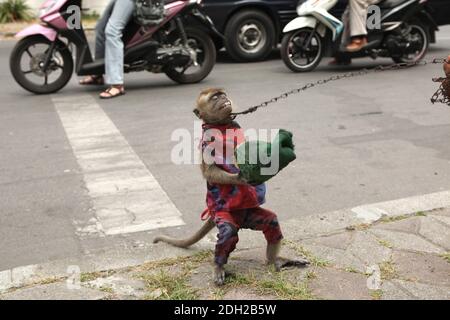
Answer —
(218, 145)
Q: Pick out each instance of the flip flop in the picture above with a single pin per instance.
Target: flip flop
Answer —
(121, 92)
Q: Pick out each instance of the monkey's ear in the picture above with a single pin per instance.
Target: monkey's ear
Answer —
(197, 113)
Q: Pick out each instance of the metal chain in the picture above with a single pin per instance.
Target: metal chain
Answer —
(442, 95)
(365, 71)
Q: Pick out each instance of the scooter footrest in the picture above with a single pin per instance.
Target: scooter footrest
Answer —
(93, 68)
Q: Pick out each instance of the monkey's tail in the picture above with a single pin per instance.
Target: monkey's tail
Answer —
(186, 243)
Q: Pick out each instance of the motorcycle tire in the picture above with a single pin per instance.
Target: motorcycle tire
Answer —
(207, 65)
(19, 75)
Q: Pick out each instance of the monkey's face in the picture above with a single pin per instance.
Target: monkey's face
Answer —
(214, 106)
(221, 104)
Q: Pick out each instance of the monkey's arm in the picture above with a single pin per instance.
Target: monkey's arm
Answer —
(213, 174)
(447, 67)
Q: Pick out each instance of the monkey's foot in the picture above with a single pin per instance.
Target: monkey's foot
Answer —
(282, 263)
(219, 275)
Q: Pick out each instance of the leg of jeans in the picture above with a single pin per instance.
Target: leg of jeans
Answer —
(100, 31)
(122, 12)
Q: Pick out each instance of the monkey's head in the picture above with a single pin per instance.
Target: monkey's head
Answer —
(214, 106)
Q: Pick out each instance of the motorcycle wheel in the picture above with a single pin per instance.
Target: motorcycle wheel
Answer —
(29, 54)
(206, 58)
(421, 35)
(297, 58)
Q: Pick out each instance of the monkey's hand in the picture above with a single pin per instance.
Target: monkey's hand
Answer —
(281, 263)
(213, 174)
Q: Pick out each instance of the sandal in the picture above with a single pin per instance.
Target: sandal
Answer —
(112, 92)
(92, 80)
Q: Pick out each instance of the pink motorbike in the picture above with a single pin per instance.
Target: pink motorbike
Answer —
(180, 46)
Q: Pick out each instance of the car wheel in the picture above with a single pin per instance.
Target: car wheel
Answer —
(250, 36)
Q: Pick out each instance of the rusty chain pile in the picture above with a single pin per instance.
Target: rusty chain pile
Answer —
(442, 95)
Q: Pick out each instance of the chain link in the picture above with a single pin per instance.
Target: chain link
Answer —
(442, 95)
(396, 66)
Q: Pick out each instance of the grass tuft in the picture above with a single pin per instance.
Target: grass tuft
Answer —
(385, 243)
(388, 270)
(446, 256)
(315, 261)
(275, 285)
(376, 294)
(169, 287)
(14, 11)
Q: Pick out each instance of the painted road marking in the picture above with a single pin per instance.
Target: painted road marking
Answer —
(405, 206)
(126, 196)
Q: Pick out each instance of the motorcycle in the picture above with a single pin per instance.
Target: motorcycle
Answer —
(42, 61)
(404, 34)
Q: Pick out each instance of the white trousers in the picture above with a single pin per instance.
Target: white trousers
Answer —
(355, 17)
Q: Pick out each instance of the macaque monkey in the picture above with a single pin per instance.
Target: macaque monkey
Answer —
(232, 203)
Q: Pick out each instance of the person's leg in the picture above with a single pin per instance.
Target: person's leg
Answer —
(358, 17)
(114, 51)
(100, 31)
(358, 23)
(346, 22)
(338, 58)
(99, 44)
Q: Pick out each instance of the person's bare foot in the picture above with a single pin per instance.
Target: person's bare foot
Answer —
(92, 80)
(357, 44)
(113, 91)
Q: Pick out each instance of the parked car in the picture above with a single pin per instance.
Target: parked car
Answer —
(252, 28)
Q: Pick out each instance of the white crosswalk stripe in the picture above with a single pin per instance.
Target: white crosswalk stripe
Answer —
(125, 195)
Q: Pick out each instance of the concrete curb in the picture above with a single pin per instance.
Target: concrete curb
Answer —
(113, 259)
(294, 229)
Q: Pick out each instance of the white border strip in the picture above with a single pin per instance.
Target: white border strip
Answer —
(126, 196)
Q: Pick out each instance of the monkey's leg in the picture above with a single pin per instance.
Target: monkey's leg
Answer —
(278, 262)
(219, 275)
(267, 221)
(226, 243)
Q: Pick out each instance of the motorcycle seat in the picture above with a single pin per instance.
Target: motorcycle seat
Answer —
(388, 4)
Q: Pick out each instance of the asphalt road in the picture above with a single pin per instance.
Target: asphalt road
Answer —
(361, 140)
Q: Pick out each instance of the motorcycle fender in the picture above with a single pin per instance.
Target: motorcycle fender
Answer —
(38, 29)
(304, 22)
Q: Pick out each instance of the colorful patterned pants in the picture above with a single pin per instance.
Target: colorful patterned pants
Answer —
(229, 224)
